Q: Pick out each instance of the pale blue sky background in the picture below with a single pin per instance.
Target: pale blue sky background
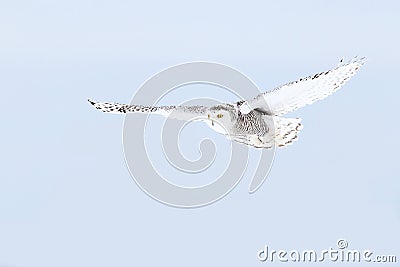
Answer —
(66, 197)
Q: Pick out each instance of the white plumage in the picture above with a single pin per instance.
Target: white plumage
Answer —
(305, 91)
(257, 121)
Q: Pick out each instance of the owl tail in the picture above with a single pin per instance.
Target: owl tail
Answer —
(124, 108)
(286, 130)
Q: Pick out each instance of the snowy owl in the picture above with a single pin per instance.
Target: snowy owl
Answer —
(256, 122)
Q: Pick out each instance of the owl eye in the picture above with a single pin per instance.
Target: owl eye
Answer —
(219, 116)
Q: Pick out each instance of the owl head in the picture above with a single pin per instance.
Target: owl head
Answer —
(221, 117)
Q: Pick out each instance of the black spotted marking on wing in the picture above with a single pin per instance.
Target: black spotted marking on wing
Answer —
(311, 77)
(121, 108)
(239, 103)
(161, 110)
(316, 76)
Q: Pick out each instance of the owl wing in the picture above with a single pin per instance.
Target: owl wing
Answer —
(305, 91)
(173, 112)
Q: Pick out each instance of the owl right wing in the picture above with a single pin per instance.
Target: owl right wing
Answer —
(173, 112)
(305, 91)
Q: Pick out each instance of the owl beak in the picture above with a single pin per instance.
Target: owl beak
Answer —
(212, 122)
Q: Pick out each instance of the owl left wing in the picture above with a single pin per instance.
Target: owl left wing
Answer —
(305, 91)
